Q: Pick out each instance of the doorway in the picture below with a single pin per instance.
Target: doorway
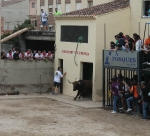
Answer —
(87, 74)
(60, 61)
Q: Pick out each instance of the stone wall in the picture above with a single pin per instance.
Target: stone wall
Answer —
(24, 76)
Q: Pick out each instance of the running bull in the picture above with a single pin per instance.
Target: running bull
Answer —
(82, 86)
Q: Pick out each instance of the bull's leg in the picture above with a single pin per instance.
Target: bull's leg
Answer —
(80, 95)
(77, 95)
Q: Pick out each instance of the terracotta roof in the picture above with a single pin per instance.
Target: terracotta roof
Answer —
(9, 2)
(99, 9)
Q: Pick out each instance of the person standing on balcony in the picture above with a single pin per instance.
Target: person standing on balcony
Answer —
(148, 12)
(44, 20)
(57, 12)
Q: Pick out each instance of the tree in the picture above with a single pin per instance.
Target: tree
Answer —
(15, 41)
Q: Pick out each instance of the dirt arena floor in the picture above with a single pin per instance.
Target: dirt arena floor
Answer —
(47, 117)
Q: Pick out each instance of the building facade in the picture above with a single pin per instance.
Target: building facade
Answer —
(100, 24)
(14, 12)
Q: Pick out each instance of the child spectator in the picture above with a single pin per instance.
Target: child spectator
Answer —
(22, 55)
(49, 55)
(39, 55)
(10, 55)
(114, 90)
(126, 48)
(16, 55)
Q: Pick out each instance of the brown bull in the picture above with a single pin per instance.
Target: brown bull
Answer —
(83, 87)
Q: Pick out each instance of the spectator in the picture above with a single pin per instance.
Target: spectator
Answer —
(31, 55)
(28, 54)
(130, 42)
(3, 55)
(134, 89)
(148, 12)
(120, 40)
(34, 52)
(22, 55)
(126, 48)
(147, 41)
(10, 55)
(134, 37)
(13, 50)
(44, 54)
(114, 90)
(49, 55)
(39, 55)
(116, 39)
(138, 44)
(146, 99)
(44, 19)
(121, 35)
(57, 12)
(16, 55)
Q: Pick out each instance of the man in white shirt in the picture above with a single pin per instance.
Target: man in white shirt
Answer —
(57, 79)
(38, 55)
(44, 19)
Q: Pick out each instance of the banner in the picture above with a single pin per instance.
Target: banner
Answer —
(120, 58)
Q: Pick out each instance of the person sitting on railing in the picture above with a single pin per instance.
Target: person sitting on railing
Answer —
(22, 55)
(130, 42)
(3, 55)
(44, 54)
(16, 55)
(28, 55)
(49, 55)
(10, 55)
(138, 44)
(38, 55)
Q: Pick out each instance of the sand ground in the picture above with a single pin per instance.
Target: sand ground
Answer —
(43, 116)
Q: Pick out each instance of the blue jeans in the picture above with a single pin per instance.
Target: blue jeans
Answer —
(115, 102)
(144, 109)
(128, 101)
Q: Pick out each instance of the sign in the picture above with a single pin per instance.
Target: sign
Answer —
(75, 52)
(120, 58)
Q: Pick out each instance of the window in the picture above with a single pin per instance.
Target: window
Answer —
(90, 4)
(146, 6)
(50, 9)
(33, 5)
(72, 33)
(59, 7)
(78, 6)
(68, 7)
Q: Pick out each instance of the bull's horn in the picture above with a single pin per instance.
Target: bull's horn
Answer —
(70, 82)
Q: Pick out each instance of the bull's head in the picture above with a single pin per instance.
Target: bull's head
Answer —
(76, 85)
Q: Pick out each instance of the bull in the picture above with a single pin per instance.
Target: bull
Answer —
(82, 86)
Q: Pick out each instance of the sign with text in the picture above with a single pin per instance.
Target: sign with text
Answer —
(120, 59)
(75, 52)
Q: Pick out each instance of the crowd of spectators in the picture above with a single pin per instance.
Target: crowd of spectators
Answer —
(127, 43)
(15, 54)
(125, 94)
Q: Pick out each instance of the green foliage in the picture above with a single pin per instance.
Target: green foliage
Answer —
(15, 41)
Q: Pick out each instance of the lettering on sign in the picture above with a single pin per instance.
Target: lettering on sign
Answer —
(120, 58)
(75, 52)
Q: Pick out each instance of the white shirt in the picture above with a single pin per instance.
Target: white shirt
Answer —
(27, 55)
(9, 56)
(38, 56)
(49, 56)
(138, 45)
(44, 16)
(57, 76)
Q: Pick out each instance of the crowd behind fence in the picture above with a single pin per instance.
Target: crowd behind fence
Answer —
(15, 54)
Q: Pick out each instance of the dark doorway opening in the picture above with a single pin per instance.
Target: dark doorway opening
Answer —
(61, 84)
(146, 4)
(40, 45)
(87, 74)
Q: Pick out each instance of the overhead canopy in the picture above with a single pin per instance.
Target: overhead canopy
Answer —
(14, 35)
